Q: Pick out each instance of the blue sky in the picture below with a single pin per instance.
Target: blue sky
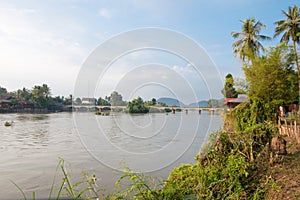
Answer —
(48, 41)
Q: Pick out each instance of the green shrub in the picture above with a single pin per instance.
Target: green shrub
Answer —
(168, 110)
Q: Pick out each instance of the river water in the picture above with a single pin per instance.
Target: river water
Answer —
(102, 145)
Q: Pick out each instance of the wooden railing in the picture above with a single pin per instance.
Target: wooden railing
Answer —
(289, 127)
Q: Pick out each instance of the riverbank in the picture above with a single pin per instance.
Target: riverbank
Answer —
(286, 173)
(35, 110)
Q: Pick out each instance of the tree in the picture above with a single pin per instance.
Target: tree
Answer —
(153, 101)
(24, 94)
(272, 80)
(102, 102)
(213, 103)
(68, 100)
(137, 106)
(248, 44)
(241, 85)
(228, 90)
(78, 101)
(290, 28)
(40, 95)
(3, 91)
(116, 99)
(58, 100)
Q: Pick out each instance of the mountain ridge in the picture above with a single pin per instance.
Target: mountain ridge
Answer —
(175, 102)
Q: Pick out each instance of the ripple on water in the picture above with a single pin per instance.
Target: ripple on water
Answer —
(31, 147)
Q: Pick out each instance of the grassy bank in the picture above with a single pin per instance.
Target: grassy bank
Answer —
(225, 172)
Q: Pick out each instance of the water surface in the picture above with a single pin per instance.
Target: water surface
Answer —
(154, 143)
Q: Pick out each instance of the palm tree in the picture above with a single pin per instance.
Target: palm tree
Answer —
(248, 46)
(290, 27)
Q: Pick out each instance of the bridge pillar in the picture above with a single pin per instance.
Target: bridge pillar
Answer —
(186, 111)
(212, 112)
(173, 110)
(199, 111)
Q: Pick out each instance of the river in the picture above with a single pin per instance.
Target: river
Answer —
(152, 143)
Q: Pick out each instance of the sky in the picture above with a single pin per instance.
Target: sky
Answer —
(51, 41)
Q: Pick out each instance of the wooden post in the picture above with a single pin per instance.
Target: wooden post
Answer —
(279, 125)
(296, 132)
(286, 128)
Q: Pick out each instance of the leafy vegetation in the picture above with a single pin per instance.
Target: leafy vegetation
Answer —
(272, 80)
(103, 102)
(137, 106)
(290, 28)
(37, 97)
(229, 90)
(248, 46)
(241, 85)
(3, 91)
(116, 99)
(167, 110)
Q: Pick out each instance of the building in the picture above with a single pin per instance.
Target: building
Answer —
(89, 101)
(233, 102)
(5, 102)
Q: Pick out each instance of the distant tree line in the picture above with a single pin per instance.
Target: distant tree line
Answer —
(38, 97)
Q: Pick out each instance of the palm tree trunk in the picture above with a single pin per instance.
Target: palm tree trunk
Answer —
(298, 68)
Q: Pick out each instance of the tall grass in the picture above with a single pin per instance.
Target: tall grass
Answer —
(84, 189)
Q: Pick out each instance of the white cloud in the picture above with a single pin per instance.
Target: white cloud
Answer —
(186, 70)
(103, 12)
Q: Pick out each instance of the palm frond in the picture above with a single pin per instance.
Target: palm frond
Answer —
(248, 45)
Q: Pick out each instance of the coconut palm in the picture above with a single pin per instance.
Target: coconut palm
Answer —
(290, 28)
(248, 44)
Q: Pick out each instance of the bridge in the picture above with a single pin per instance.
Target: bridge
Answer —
(160, 108)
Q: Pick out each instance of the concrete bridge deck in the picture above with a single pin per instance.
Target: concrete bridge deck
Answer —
(123, 108)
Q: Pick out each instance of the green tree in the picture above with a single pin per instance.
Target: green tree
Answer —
(3, 91)
(58, 99)
(153, 101)
(24, 94)
(213, 103)
(229, 90)
(272, 79)
(78, 101)
(68, 100)
(241, 85)
(41, 95)
(116, 99)
(248, 44)
(137, 106)
(102, 102)
(290, 28)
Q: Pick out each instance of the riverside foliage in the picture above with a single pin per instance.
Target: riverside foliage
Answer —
(138, 106)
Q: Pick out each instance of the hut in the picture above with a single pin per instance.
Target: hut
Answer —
(233, 102)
